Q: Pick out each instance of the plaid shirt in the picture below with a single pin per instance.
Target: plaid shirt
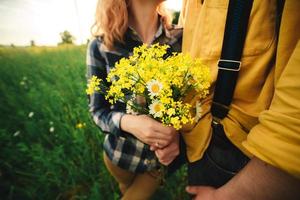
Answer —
(122, 148)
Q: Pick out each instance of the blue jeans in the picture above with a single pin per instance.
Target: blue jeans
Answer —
(221, 161)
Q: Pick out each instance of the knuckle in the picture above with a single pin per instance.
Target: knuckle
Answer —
(147, 134)
(172, 132)
(170, 138)
(169, 131)
(151, 125)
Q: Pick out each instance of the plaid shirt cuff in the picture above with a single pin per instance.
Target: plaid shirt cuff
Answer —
(116, 118)
(109, 121)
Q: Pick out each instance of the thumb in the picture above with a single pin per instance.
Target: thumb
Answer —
(153, 148)
(192, 189)
(157, 153)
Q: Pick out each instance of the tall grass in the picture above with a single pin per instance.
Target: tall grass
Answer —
(49, 146)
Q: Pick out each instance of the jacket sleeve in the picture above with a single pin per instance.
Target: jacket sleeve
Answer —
(276, 139)
(103, 114)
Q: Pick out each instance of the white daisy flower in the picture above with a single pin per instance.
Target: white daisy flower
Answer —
(198, 111)
(52, 129)
(30, 115)
(154, 87)
(129, 109)
(156, 108)
(17, 133)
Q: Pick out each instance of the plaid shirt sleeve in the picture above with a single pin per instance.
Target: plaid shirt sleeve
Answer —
(107, 119)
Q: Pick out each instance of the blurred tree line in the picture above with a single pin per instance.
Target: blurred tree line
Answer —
(175, 17)
(66, 38)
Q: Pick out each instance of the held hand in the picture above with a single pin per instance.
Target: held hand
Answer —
(148, 130)
(167, 154)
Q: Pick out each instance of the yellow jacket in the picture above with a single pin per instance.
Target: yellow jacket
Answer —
(264, 119)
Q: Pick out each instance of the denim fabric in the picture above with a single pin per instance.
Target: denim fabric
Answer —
(221, 161)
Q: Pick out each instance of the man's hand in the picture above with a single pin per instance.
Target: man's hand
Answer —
(202, 192)
(167, 154)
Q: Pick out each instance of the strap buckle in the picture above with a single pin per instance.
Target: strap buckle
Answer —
(231, 63)
(216, 121)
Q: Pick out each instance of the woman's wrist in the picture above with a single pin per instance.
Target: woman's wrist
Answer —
(126, 122)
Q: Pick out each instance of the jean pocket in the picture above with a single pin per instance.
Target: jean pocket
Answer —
(219, 167)
(230, 160)
(208, 173)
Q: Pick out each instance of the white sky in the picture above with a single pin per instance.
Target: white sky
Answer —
(43, 20)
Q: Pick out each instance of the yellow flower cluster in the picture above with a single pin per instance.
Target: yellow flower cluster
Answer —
(163, 82)
(93, 85)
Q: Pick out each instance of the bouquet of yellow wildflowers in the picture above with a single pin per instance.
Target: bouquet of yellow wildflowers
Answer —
(161, 82)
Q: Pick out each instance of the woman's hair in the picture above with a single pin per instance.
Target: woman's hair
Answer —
(111, 20)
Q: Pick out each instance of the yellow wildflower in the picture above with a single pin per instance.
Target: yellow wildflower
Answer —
(93, 85)
(80, 125)
(171, 111)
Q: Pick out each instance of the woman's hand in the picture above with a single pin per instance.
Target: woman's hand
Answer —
(148, 130)
(167, 154)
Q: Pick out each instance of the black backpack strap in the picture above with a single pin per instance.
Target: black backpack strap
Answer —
(230, 62)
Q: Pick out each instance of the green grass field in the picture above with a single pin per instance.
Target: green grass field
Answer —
(49, 146)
